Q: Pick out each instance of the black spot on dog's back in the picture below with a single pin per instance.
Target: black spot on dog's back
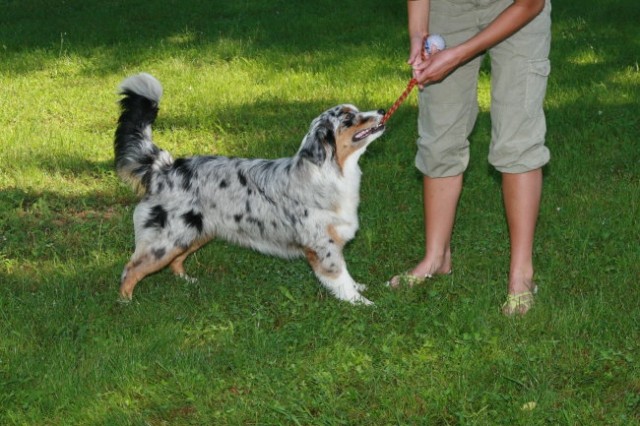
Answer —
(185, 169)
(157, 218)
(193, 219)
(242, 178)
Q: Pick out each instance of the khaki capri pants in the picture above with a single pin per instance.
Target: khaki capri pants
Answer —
(519, 71)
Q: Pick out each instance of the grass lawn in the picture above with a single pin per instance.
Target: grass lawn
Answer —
(256, 341)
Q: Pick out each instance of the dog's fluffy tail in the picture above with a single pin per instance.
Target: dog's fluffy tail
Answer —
(136, 156)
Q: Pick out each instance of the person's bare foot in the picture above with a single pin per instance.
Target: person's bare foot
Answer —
(520, 282)
(427, 268)
(520, 303)
(520, 297)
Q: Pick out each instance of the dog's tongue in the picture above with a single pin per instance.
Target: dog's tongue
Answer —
(361, 135)
(364, 133)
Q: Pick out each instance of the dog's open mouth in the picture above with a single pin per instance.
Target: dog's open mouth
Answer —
(367, 132)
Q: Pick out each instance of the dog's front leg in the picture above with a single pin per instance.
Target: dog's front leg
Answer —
(331, 270)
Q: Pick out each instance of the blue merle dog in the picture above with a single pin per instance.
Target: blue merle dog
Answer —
(305, 205)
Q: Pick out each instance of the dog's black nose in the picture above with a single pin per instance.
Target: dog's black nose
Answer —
(381, 111)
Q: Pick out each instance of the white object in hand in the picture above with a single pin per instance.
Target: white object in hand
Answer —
(434, 43)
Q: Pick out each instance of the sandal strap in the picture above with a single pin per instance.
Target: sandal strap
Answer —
(519, 303)
(406, 279)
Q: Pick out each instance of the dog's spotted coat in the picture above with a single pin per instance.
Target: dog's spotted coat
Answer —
(305, 205)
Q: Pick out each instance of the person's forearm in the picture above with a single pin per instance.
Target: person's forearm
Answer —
(418, 16)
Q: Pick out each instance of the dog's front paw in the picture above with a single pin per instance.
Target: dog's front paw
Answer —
(124, 300)
(361, 287)
(365, 301)
(360, 300)
(187, 278)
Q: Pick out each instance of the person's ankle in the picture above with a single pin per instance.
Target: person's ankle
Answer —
(521, 282)
(433, 265)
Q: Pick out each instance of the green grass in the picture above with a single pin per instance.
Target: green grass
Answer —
(256, 340)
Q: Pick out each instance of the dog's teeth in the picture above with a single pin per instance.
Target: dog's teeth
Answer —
(362, 134)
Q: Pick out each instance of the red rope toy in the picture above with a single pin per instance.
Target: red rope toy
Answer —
(400, 100)
(432, 44)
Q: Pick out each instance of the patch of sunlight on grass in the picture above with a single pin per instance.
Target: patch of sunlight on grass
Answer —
(629, 76)
(586, 57)
(183, 38)
(484, 91)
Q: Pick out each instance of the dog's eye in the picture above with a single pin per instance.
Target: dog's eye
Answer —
(348, 118)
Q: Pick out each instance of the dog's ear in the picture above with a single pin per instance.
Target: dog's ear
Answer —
(319, 143)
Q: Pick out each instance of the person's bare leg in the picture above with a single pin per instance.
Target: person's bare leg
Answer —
(522, 193)
(440, 202)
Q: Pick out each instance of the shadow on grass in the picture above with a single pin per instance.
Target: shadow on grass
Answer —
(123, 34)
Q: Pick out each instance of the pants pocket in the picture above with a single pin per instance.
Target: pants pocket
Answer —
(536, 88)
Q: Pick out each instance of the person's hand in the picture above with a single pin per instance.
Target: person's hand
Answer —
(416, 51)
(436, 67)
(418, 58)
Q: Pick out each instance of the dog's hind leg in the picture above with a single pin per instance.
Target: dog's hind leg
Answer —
(177, 264)
(145, 262)
(331, 270)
